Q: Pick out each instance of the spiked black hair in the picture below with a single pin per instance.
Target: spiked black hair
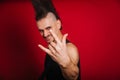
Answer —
(43, 7)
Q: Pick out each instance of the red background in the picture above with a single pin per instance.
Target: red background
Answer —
(93, 25)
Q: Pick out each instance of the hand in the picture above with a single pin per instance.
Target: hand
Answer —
(58, 50)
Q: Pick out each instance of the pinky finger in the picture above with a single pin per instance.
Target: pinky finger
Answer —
(46, 50)
(64, 39)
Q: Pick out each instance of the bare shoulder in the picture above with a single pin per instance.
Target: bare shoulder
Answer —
(73, 52)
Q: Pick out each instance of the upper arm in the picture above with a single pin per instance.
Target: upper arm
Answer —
(73, 53)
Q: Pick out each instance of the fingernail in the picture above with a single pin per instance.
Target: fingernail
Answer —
(39, 45)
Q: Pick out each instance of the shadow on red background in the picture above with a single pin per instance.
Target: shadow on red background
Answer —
(93, 25)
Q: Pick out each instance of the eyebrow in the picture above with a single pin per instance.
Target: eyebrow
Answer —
(45, 28)
(48, 27)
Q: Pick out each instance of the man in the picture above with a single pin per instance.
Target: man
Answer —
(62, 59)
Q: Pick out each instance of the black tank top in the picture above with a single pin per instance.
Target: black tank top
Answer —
(52, 70)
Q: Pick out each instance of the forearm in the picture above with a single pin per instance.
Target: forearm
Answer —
(71, 72)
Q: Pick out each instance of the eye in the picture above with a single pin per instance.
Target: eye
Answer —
(48, 28)
(41, 31)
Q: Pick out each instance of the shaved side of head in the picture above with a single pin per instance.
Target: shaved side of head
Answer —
(51, 16)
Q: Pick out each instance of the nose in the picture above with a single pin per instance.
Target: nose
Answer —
(45, 33)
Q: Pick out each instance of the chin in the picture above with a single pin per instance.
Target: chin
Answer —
(48, 41)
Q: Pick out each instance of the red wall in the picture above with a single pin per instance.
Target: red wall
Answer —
(93, 25)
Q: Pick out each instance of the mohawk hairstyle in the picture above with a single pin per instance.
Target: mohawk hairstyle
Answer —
(43, 7)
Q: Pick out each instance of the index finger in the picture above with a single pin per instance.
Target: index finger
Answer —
(55, 36)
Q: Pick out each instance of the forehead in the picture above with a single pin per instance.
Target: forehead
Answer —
(47, 21)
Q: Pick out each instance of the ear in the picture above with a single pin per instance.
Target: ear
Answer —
(59, 24)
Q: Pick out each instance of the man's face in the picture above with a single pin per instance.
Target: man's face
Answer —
(46, 24)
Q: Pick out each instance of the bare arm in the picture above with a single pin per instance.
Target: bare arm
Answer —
(71, 71)
(66, 55)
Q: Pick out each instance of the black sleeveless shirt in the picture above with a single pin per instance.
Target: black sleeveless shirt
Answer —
(52, 70)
